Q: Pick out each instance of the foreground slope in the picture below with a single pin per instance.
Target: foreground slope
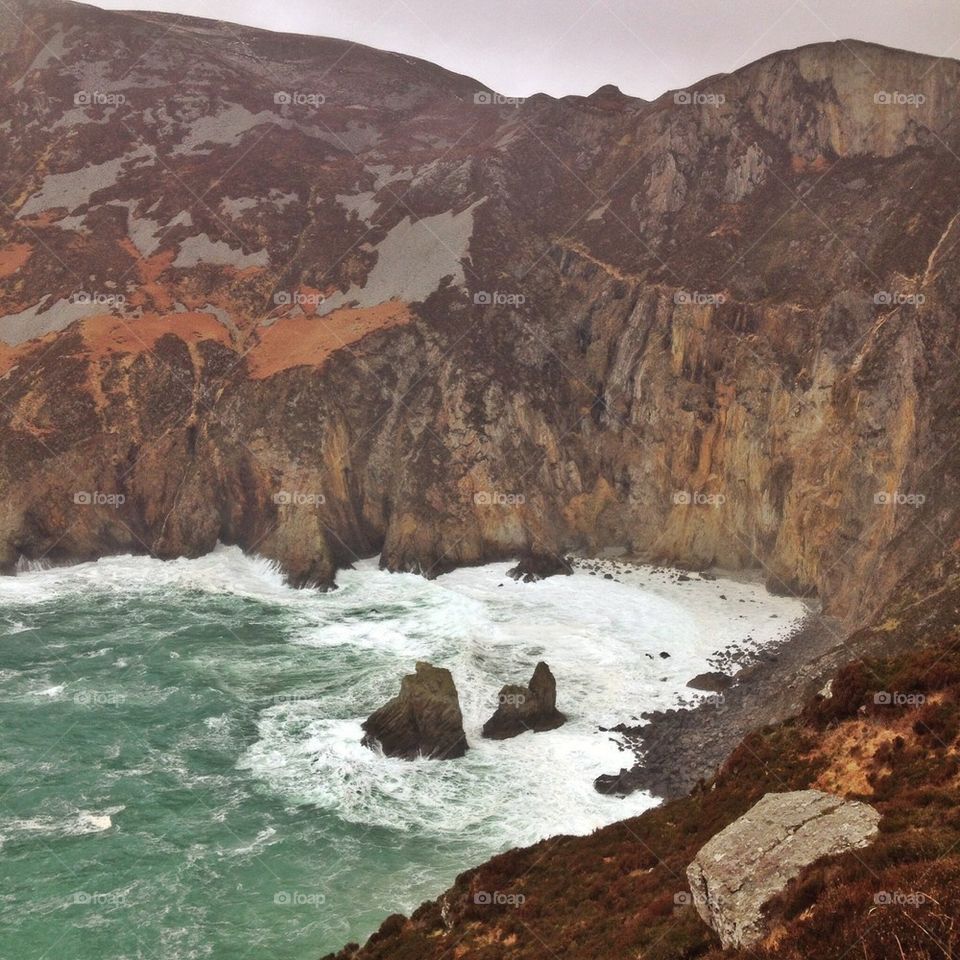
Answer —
(887, 734)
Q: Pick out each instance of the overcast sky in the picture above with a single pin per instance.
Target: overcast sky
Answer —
(519, 47)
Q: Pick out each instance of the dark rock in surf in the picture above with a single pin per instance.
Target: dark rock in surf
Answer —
(540, 566)
(423, 720)
(712, 682)
(533, 707)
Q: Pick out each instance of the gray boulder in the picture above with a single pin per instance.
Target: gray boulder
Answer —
(738, 872)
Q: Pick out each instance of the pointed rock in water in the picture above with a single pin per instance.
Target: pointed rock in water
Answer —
(424, 719)
(540, 566)
(533, 707)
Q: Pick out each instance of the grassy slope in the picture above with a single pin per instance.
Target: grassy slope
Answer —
(615, 894)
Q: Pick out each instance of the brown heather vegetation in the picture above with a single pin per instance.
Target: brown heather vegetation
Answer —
(614, 894)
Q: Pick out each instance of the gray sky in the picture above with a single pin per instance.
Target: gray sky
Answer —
(519, 47)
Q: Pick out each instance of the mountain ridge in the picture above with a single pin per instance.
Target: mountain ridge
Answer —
(610, 316)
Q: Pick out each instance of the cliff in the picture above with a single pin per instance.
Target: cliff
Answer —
(323, 301)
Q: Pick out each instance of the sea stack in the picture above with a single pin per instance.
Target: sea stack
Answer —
(423, 720)
(533, 707)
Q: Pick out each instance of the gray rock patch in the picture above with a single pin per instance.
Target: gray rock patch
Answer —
(740, 870)
(412, 260)
(201, 249)
(37, 321)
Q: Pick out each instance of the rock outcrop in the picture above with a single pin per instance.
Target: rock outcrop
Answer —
(737, 873)
(711, 682)
(567, 335)
(423, 720)
(533, 707)
(535, 567)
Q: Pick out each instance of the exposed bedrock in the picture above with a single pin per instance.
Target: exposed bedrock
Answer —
(423, 720)
(736, 875)
(715, 329)
(531, 708)
(718, 435)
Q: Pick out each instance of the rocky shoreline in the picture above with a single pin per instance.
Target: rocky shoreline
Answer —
(678, 748)
(749, 688)
(663, 879)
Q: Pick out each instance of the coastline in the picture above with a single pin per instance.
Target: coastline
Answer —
(678, 748)
(764, 638)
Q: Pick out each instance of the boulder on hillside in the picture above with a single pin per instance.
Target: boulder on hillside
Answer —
(423, 720)
(737, 873)
(533, 707)
(539, 566)
(712, 682)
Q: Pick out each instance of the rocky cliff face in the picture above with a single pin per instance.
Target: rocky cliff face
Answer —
(323, 301)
